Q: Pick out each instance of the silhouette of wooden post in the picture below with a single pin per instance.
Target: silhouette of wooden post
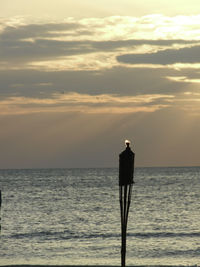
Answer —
(126, 171)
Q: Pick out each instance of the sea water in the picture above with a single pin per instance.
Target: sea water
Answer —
(72, 217)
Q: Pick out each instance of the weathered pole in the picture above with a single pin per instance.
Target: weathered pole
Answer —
(126, 171)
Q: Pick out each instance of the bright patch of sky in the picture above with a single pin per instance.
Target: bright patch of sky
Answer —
(96, 8)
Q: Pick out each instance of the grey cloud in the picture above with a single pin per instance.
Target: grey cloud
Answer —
(15, 48)
(168, 56)
(58, 29)
(37, 30)
(122, 81)
(43, 49)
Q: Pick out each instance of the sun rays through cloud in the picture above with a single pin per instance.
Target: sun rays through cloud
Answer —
(133, 73)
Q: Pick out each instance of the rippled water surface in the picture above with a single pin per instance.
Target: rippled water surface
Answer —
(72, 216)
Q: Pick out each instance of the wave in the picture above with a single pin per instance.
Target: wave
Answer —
(72, 235)
(164, 234)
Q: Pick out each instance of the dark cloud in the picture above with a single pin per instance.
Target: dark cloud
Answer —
(118, 80)
(37, 30)
(165, 57)
(43, 49)
(15, 46)
(61, 29)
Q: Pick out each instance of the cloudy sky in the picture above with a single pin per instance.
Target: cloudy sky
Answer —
(77, 78)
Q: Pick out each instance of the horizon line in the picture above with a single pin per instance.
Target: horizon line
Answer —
(115, 167)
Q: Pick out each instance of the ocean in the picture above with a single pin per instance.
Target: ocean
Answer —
(72, 217)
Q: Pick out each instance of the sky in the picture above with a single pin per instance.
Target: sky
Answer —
(77, 78)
